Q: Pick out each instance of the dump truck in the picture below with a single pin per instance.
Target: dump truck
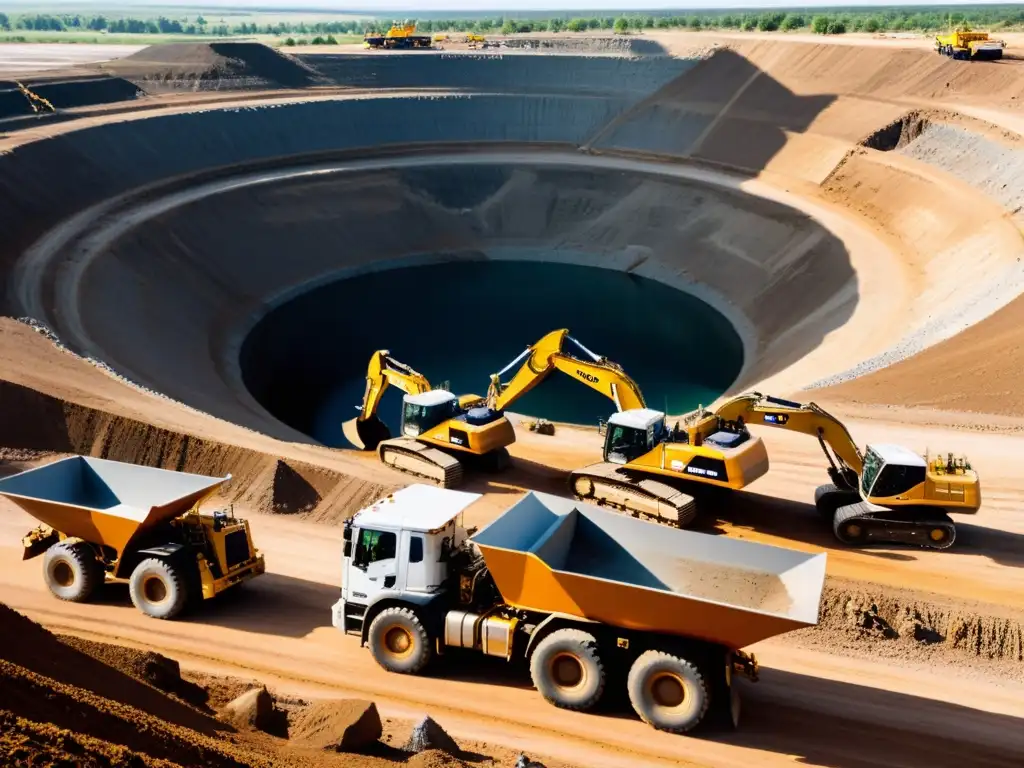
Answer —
(575, 592)
(108, 521)
(966, 44)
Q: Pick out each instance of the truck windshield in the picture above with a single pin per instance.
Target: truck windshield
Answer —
(373, 546)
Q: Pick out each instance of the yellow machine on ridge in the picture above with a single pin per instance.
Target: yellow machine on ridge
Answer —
(399, 36)
(963, 43)
(440, 432)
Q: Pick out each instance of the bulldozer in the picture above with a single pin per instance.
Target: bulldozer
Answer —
(964, 43)
(441, 434)
(401, 35)
(108, 521)
(887, 494)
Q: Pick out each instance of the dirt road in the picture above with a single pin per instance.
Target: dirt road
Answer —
(808, 708)
(20, 58)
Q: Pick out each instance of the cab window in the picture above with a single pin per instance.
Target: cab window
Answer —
(373, 546)
(896, 479)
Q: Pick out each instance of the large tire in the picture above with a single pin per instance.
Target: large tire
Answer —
(159, 588)
(399, 642)
(567, 669)
(71, 570)
(667, 691)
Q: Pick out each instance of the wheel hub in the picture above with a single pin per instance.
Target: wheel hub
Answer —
(567, 671)
(154, 589)
(63, 574)
(398, 641)
(667, 690)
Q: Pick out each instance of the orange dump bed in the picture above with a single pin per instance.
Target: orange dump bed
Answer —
(555, 555)
(106, 502)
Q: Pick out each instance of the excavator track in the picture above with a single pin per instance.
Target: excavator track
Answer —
(863, 523)
(607, 484)
(416, 458)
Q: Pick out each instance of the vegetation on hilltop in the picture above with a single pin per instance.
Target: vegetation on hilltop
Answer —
(325, 28)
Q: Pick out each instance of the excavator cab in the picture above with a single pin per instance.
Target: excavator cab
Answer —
(891, 470)
(632, 434)
(423, 412)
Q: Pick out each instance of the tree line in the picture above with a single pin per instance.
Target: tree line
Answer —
(917, 19)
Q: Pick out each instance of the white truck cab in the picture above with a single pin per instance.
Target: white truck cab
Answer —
(399, 547)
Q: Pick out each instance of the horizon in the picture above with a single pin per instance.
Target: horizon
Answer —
(371, 7)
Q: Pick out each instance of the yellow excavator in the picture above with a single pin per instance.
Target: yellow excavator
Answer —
(441, 433)
(638, 445)
(888, 494)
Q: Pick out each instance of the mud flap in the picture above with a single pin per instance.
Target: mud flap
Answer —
(365, 434)
(38, 541)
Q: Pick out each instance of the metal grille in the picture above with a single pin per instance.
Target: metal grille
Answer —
(236, 547)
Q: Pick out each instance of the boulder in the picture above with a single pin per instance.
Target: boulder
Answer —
(253, 709)
(344, 725)
(429, 735)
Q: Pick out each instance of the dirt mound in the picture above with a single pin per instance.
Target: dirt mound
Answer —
(888, 623)
(345, 725)
(27, 646)
(260, 482)
(616, 44)
(436, 758)
(213, 66)
(149, 667)
(23, 742)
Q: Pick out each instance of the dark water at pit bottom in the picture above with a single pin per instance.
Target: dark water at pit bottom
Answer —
(461, 321)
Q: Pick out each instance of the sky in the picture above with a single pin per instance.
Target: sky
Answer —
(411, 6)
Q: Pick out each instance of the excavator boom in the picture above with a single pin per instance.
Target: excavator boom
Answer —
(809, 418)
(549, 354)
(366, 430)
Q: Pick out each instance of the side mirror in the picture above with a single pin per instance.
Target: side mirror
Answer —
(346, 532)
(348, 549)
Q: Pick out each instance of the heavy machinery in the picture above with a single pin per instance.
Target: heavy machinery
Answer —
(401, 35)
(576, 592)
(963, 43)
(440, 432)
(106, 521)
(638, 445)
(888, 493)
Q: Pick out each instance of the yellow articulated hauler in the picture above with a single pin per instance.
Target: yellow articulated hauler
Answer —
(109, 521)
(575, 591)
(441, 433)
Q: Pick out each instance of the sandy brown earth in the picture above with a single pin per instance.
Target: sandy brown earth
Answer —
(918, 654)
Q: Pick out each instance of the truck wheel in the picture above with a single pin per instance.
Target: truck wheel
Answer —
(399, 641)
(158, 588)
(667, 691)
(567, 669)
(71, 570)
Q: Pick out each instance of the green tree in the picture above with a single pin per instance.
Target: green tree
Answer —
(820, 25)
(837, 27)
(290, 41)
(5, 23)
(621, 25)
(508, 28)
(576, 25)
(793, 21)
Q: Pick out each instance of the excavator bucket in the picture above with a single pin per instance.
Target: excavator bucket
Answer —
(365, 434)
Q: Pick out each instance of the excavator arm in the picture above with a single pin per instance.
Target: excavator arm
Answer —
(366, 430)
(842, 452)
(549, 354)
